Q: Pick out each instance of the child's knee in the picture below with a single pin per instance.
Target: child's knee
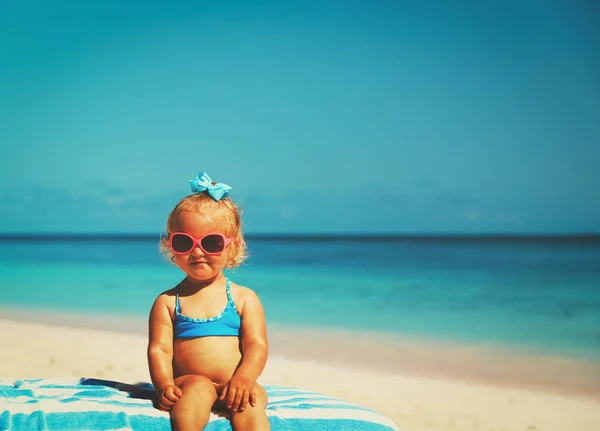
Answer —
(256, 416)
(198, 387)
(192, 410)
(261, 396)
(253, 418)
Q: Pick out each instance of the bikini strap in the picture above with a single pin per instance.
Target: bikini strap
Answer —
(177, 306)
(228, 289)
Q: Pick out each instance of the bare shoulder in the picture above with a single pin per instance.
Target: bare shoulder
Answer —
(166, 299)
(242, 295)
(160, 321)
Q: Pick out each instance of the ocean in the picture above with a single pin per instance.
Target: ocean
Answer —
(542, 295)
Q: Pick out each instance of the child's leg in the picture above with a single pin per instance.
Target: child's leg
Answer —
(192, 411)
(253, 418)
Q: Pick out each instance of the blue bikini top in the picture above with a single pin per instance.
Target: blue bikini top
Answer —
(225, 324)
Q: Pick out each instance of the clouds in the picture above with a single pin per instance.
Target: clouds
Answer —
(102, 208)
(367, 117)
(98, 208)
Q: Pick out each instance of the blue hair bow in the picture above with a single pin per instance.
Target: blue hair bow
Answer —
(203, 183)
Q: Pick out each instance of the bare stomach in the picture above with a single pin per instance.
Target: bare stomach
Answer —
(213, 357)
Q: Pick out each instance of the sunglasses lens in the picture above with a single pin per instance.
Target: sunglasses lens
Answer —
(181, 243)
(213, 243)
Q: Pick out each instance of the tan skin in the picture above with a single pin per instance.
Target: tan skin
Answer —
(194, 375)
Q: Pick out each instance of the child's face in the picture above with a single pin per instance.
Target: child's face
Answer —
(196, 264)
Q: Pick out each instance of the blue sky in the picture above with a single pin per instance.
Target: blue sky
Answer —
(383, 116)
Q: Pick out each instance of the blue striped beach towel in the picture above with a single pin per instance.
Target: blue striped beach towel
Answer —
(61, 404)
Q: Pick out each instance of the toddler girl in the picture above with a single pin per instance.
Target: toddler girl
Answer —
(207, 336)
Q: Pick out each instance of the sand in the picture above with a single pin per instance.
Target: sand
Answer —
(420, 386)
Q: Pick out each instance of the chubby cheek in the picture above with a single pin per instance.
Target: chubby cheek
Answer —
(219, 260)
(181, 260)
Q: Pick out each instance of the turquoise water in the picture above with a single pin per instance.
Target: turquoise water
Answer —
(540, 295)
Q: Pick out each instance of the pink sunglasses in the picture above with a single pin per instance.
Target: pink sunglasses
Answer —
(211, 244)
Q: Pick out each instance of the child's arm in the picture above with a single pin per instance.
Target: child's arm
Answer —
(255, 347)
(240, 389)
(160, 347)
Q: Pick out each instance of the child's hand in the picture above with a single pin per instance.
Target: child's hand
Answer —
(168, 397)
(238, 392)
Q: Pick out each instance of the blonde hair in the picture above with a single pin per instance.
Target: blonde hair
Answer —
(204, 205)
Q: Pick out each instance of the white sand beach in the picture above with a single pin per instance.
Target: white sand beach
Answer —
(421, 390)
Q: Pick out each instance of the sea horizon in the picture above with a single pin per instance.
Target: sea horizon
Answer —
(325, 236)
(541, 292)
